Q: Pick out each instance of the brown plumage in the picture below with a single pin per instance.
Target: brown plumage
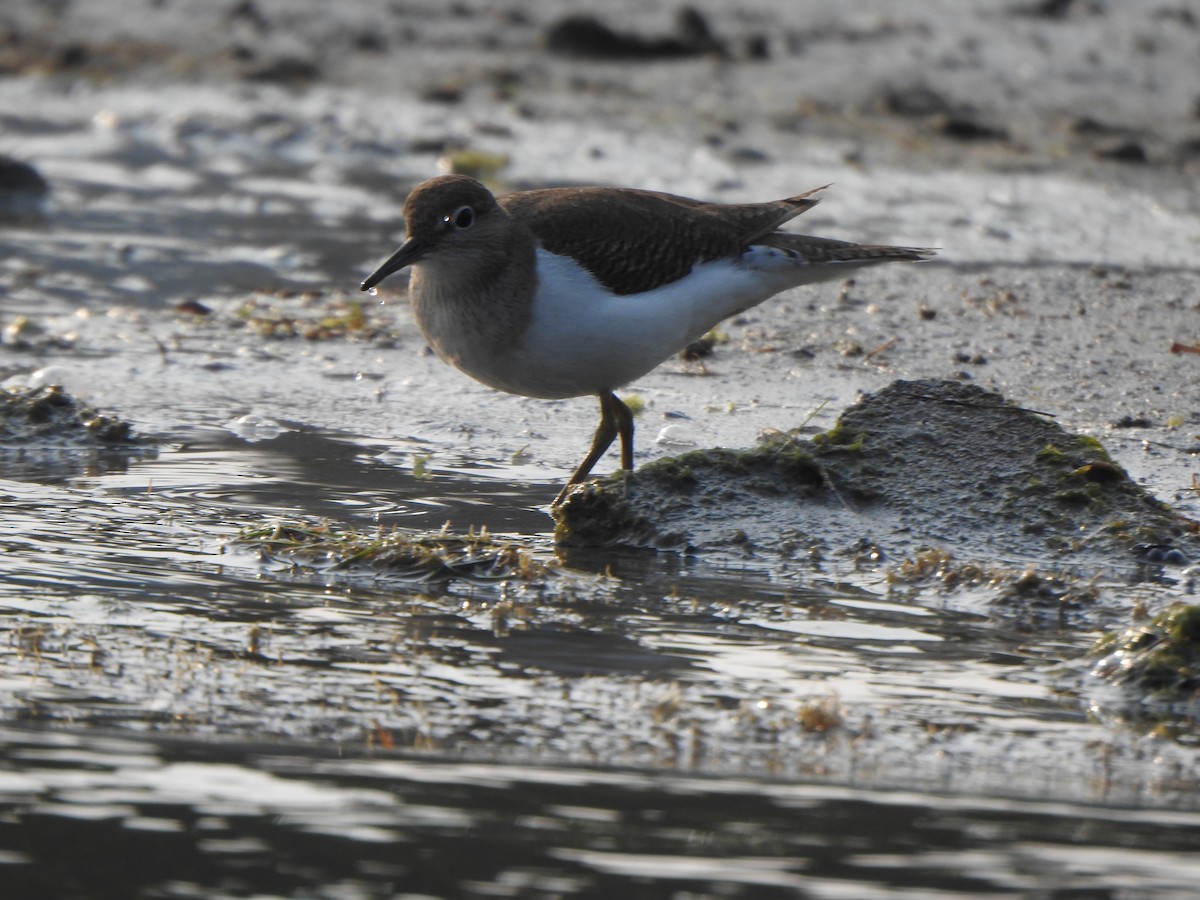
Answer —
(634, 241)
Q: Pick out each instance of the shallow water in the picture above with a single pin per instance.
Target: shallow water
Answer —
(186, 719)
(114, 817)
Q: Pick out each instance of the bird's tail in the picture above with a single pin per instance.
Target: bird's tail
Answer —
(816, 250)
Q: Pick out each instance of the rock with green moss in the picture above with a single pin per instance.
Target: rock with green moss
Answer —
(1160, 660)
(917, 464)
(49, 416)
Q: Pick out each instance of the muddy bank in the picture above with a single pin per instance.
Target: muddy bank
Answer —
(917, 465)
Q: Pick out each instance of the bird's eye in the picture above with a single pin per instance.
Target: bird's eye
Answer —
(463, 217)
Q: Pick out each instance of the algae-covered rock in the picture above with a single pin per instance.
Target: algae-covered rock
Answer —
(23, 190)
(917, 464)
(1160, 660)
(49, 416)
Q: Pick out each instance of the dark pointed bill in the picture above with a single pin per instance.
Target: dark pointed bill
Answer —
(410, 251)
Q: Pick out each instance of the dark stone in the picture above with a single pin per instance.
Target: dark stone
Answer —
(586, 36)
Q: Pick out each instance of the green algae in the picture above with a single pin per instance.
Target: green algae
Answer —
(396, 553)
(841, 438)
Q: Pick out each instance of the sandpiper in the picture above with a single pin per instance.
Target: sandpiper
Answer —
(562, 292)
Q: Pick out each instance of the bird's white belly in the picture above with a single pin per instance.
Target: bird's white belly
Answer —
(583, 340)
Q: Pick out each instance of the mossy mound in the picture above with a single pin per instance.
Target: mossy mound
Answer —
(917, 464)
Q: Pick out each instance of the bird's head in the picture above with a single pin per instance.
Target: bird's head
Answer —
(449, 219)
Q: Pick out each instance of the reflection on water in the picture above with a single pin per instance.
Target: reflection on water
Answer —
(109, 817)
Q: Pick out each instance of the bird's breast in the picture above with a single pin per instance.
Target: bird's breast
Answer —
(473, 323)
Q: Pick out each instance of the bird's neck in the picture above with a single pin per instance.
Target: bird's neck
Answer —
(477, 304)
